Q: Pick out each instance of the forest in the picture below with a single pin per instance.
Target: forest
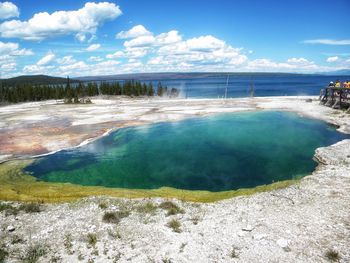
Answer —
(73, 92)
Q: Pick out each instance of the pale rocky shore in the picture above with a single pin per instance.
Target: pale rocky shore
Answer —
(306, 222)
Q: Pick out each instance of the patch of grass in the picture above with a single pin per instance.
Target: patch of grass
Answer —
(8, 209)
(175, 225)
(166, 260)
(114, 233)
(115, 217)
(16, 240)
(182, 247)
(30, 207)
(117, 257)
(5, 206)
(55, 259)
(234, 253)
(68, 243)
(171, 207)
(103, 205)
(33, 253)
(111, 218)
(147, 208)
(195, 219)
(92, 239)
(3, 253)
(332, 255)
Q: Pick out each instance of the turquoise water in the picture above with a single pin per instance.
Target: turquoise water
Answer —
(216, 153)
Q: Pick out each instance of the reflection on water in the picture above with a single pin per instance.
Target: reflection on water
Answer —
(223, 152)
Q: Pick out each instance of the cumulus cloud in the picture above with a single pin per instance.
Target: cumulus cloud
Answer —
(168, 51)
(145, 51)
(141, 41)
(332, 59)
(81, 37)
(117, 54)
(136, 31)
(8, 66)
(66, 60)
(83, 68)
(291, 65)
(170, 37)
(79, 22)
(93, 47)
(9, 53)
(47, 59)
(328, 41)
(12, 49)
(8, 10)
(95, 59)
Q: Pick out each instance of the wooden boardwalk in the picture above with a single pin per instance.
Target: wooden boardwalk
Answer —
(335, 97)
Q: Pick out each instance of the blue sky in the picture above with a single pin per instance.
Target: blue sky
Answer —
(79, 38)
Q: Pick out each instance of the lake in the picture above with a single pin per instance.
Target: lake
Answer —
(216, 153)
(213, 85)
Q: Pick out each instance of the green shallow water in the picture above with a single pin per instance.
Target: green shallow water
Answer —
(217, 153)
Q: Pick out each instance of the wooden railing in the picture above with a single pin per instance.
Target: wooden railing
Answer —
(335, 97)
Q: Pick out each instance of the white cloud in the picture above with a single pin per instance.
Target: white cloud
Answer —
(8, 10)
(137, 52)
(47, 59)
(81, 68)
(199, 53)
(44, 25)
(95, 59)
(142, 41)
(291, 65)
(170, 37)
(9, 53)
(93, 47)
(136, 31)
(117, 54)
(12, 49)
(66, 60)
(328, 41)
(37, 69)
(145, 51)
(8, 66)
(81, 37)
(332, 59)
(205, 43)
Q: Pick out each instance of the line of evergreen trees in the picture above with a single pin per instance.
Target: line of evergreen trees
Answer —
(72, 93)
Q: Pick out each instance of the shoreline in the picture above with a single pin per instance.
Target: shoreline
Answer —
(197, 108)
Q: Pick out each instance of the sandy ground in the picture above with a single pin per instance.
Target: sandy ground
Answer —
(301, 223)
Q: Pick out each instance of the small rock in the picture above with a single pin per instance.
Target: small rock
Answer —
(259, 236)
(287, 249)
(10, 228)
(308, 100)
(240, 233)
(248, 228)
(283, 243)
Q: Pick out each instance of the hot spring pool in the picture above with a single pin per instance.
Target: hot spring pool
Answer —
(217, 153)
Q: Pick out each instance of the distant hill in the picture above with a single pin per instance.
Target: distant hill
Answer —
(35, 80)
(176, 75)
(342, 72)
